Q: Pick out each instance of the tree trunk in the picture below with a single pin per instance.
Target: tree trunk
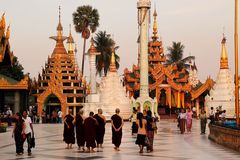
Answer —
(83, 56)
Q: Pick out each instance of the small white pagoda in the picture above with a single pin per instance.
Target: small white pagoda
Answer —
(110, 94)
(221, 96)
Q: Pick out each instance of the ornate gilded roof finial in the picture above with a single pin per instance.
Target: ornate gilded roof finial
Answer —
(8, 32)
(113, 60)
(59, 27)
(155, 31)
(2, 22)
(224, 57)
(59, 13)
(70, 40)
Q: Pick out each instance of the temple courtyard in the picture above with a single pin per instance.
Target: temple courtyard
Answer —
(169, 145)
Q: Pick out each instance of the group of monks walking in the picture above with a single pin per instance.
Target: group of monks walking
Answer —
(90, 130)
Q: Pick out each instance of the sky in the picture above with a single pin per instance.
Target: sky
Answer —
(199, 25)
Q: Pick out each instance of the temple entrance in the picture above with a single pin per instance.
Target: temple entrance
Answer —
(162, 105)
(51, 106)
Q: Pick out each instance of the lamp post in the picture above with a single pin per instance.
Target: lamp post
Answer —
(236, 63)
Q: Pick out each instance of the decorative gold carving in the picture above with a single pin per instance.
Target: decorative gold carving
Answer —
(23, 84)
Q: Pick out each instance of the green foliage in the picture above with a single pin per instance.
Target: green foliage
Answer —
(175, 55)
(15, 71)
(104, 44)
(84, 17)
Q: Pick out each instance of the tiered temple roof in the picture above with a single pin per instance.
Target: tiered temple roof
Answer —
(6, 59)
(13, 92)
(60, 76)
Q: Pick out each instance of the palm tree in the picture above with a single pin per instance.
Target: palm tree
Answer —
(84, 18)
(104, 44)
(175, 56)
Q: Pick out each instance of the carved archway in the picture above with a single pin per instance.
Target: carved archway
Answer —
(42, 98)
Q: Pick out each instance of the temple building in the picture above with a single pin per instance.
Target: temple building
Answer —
(172, 86)
(13, 92)
(222, 94)
(59, 86)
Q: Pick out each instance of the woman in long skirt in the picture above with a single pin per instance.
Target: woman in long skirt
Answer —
(18, 134)
(150, 130)
(189, 120)
(141, 136)
(68, 133)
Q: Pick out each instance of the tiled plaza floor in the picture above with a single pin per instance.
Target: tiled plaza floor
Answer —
(168, 145)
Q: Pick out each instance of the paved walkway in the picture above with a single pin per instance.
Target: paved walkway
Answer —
(168, 145)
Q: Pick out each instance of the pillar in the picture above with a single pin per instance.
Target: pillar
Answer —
(183, 100)
(74, 110)
(92, 62)
(197, 106)
(170, 98)
(16, 102)
(143, 21)
(178, 100)
(157, 94)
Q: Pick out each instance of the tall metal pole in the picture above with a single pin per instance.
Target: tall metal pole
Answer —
(236, 63)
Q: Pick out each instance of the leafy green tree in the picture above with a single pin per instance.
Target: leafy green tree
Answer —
(175, 55)
(15, 71)
(104, 44)
(85, 17)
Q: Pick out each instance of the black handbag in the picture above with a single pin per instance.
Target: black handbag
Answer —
(146, 141)
(33, 142)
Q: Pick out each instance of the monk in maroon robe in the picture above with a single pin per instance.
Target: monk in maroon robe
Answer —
(90, 125)
(80, 130)
(100, 128)
(68, 133)
(117, 124)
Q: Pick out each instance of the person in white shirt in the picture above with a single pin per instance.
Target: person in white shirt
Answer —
(59, 116)
(182, 120)
(28, 130)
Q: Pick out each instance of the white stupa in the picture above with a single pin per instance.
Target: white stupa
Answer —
(222, 93)
(112, 93)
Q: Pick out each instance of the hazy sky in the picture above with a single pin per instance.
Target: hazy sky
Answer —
(197, 24)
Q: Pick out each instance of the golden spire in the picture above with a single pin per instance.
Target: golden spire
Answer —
(224, 57)
(59, 27)
(70, 40)
(8, 32)
(113, 61)
(2, 22)
(59, 49)
(155, 31)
